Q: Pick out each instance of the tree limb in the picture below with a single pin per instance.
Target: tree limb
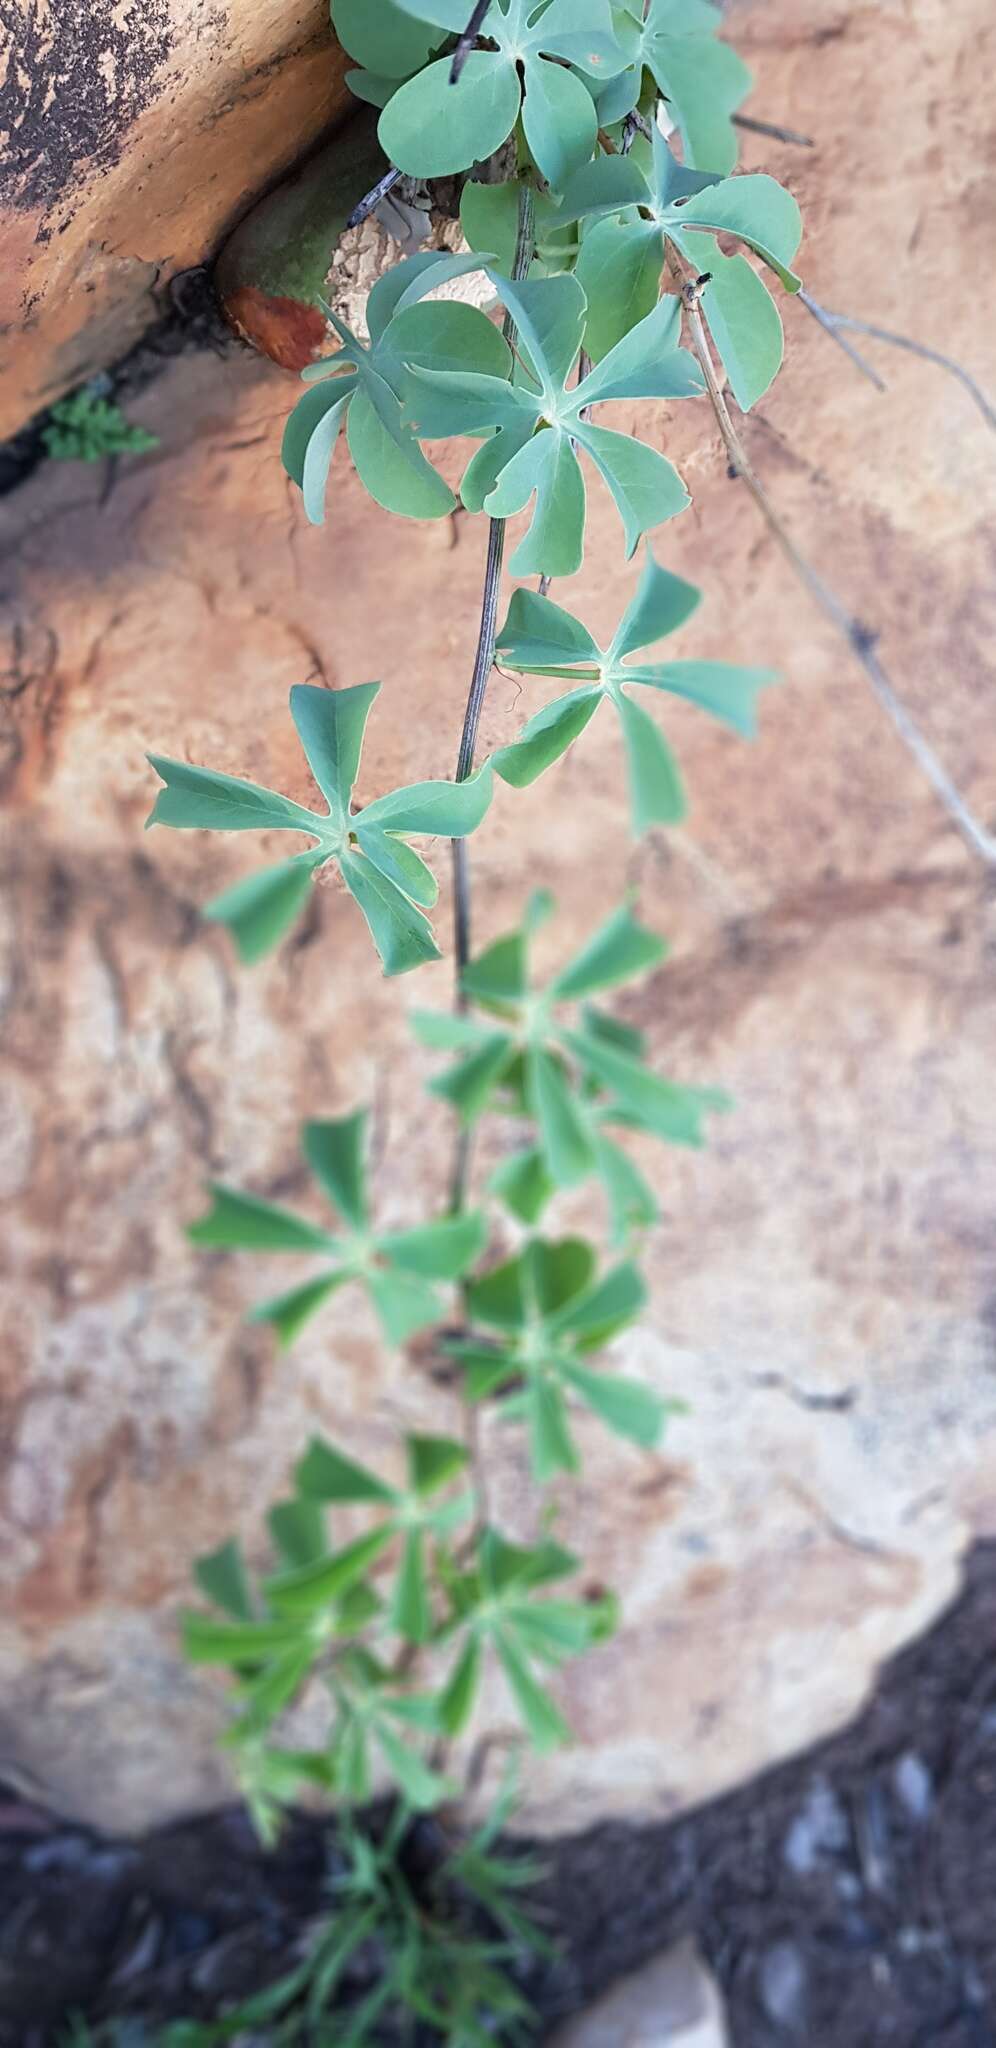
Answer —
(365, 206)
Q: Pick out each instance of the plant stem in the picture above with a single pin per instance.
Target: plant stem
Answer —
(483, 664)
(468, 39)
(756, 127)
(859, 637)
(370, 199)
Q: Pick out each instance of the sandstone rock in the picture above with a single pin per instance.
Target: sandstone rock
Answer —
(822, 1278)
(129, 143)
(273, 267)
(672, 2003)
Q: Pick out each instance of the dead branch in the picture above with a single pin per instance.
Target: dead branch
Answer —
(860, 638)
(839, 324)
(771, 128)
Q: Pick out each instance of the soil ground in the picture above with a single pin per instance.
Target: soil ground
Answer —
(845, 1899)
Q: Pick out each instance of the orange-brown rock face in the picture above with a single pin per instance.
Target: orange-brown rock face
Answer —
(821, 1282)
(129, 141)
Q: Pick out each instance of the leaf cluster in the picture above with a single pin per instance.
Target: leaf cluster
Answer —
(428, 1573)
(637, 207)
(533, 425)
(399, 1270)
(370, 846)
(562, 70)
(362, 386)
(326, 1617)
(387, 879)
(441, 1945)
(407, 1937)
(436, 370)
(540, 638)
(541, 65)
(549, 1054)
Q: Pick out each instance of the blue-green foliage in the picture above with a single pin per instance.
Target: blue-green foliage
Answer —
(394, 1590)
(539, 638)
(386, 877)
(428, 1570)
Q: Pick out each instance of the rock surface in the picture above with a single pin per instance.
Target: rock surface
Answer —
(822, 1279)
(672, 2003)
(274, 267)
(130, 140)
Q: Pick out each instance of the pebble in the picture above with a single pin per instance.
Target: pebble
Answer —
(820, 1829)
(782, 1985)
(59, 1852)
(672, 2003)
(914, 1784)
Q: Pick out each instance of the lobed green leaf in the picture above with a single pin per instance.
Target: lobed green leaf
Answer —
(240, 1222)
(335, 1151)
(619, 950)
(327, 1474)
(304, 1590)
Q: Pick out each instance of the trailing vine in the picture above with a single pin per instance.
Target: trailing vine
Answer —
(400, 1615)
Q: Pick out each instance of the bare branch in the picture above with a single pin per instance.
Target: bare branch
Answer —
(832, 327)
(468, 39)
(836, 324)
(771, 128)
(861, 639)
(365, 206)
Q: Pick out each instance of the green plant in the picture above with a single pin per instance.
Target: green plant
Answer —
(435, 1963)
(136, 2033)
(86, 427)
(386, 877)
(393, 1594)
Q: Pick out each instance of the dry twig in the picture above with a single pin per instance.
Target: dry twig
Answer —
(839, 325)
(860, 638)
(771, 128)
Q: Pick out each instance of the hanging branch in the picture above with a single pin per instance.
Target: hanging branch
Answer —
(839, 325)
(859, 637)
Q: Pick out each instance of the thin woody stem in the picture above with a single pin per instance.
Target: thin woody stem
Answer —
(753, 126)
(483, 664)
(468, 39)
(831, 326)
(839, 325)
(859, 637)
